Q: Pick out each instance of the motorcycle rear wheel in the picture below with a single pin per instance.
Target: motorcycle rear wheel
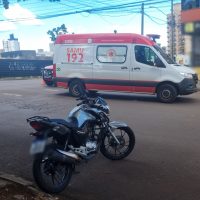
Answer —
(51, 176)
(113, 151)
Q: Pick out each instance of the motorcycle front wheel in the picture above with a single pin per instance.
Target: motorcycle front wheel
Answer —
(51, 176)
(113, 151)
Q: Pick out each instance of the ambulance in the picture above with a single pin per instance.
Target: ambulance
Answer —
(122, 62)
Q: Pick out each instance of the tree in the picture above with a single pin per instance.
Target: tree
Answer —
(56, 31)
(6, 2)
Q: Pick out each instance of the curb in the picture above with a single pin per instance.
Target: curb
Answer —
(15, 179)
(9, 179)
(19, 78)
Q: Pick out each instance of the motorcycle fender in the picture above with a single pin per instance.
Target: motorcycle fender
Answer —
(117, 124)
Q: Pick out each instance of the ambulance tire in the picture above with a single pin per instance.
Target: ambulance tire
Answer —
(76, 88)
(167, 93)
(49, 83)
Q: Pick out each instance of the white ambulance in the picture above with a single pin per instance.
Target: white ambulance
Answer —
(119, 62)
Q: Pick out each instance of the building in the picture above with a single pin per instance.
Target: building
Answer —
(22, 54)
(178, 37)
(12, 44)
(51, 47)
(1, 51)
(44, 54)
(190, 17)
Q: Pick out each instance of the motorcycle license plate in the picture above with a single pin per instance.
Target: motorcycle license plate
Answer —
(37, 146)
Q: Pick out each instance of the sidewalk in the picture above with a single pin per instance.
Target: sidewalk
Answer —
(15, 188)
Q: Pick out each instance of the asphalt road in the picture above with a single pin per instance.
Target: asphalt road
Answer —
(164, 165)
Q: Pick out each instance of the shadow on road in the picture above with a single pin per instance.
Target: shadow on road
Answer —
(128, 179)
(104, 179)
(139, 97)
(187, 99)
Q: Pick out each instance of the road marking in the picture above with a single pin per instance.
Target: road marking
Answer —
(11, 94)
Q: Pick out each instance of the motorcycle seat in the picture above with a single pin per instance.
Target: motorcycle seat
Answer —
(70, 122)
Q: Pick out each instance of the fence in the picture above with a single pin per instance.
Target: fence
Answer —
(22, 68)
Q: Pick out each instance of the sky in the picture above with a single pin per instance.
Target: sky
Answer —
(26, 20)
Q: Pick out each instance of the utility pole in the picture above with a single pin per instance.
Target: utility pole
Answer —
(142, 19)
(172, 29)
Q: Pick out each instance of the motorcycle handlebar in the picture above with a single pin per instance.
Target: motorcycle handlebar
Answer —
(79, 103)
(88, 95)
(87, 100)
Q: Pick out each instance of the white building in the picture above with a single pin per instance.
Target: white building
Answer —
(12, 44)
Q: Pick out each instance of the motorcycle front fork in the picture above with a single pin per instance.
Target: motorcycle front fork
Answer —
(113, 135)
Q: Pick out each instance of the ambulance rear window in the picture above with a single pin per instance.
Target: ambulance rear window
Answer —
(111, 53)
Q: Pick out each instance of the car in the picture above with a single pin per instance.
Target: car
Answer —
(47, 75)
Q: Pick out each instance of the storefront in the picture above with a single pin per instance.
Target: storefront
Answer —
(190, 17)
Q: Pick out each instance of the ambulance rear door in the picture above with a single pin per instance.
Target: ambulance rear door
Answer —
(74, 60)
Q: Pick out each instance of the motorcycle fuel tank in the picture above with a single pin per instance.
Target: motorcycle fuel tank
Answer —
(81, 115)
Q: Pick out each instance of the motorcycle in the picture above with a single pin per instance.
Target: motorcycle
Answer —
(60, 145)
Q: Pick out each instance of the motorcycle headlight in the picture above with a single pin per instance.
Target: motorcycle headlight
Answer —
(186, 75)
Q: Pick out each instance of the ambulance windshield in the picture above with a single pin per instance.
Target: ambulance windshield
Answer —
(164, 55)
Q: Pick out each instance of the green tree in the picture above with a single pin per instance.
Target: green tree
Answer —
(55, 31)
(6, 2)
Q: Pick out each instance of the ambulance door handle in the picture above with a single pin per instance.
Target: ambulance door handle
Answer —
(136, 68)
(124, 67)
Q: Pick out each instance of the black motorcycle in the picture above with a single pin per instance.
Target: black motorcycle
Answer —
(61, 144)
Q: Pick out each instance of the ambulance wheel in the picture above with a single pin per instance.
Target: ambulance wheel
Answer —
(76, 88)
(49, 83)
(167, 93)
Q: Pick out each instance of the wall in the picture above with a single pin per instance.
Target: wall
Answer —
(21, 68)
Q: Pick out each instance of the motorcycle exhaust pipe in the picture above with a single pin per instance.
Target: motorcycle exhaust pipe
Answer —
(64, 157)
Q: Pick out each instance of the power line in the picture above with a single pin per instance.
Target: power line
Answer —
(127, 22)
(111, 9)
(151, 18)
(100, 10)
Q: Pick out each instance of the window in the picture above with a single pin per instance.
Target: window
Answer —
(111, 54)
(196, 51)
(164, 55)
(147, 56)
(190, 4)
